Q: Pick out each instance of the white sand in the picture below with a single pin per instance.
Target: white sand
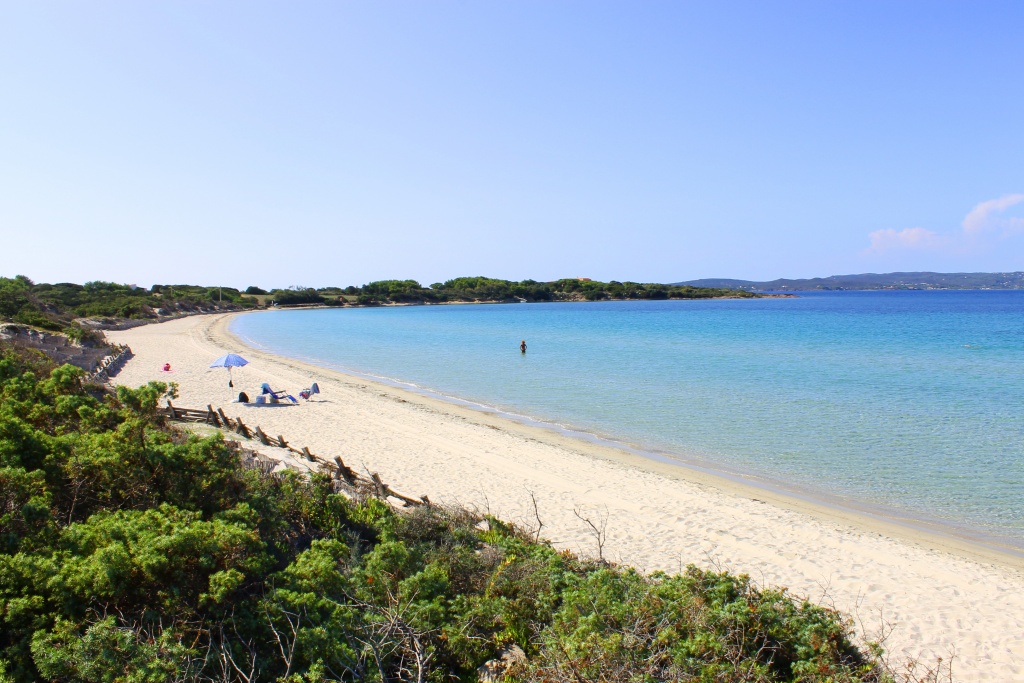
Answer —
(939, 596)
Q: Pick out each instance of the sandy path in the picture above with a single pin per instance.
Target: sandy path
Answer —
(938, 595)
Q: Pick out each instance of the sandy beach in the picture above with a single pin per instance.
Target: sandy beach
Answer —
(934, 596)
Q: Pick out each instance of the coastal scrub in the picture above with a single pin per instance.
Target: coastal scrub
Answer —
(132, 551)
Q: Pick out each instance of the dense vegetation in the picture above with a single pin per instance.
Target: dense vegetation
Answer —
(130, 551)
(484, 289)
(490, 289)
(54, 307)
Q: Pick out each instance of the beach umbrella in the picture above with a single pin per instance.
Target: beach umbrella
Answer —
(232, 360)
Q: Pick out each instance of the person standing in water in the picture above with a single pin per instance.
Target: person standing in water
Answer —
(522, 346)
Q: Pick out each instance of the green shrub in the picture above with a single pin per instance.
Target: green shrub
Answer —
(130, 551)
(29, 315)
(294, 297)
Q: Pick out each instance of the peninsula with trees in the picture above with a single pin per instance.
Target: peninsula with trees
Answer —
(872, 281)
(72, 308)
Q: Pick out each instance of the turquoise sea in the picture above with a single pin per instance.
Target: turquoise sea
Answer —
(908, 404)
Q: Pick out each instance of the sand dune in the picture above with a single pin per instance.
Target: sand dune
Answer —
(938, 595)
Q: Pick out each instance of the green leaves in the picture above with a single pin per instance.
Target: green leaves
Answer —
(106, 651)
(616, 624)
(24, 507)
(14, 295)
(162, 559)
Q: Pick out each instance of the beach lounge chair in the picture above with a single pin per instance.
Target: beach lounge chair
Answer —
(265, 390)
(308, 393)
(275, 396)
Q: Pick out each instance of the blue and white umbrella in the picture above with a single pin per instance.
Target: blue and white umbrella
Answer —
(232, 360)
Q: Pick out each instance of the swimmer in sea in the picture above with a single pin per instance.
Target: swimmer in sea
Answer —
(522, 346)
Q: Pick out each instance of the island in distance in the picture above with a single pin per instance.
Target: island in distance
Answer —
(867, 281)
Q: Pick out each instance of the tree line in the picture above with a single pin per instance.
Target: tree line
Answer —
(485, 289)
(56, 306)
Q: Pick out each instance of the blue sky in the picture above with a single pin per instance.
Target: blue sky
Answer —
(330, 143)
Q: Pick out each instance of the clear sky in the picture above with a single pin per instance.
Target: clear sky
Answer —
(323, 143)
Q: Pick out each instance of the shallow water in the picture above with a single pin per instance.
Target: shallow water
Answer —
(907, 400)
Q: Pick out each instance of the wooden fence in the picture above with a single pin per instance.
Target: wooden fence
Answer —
(335, 466)
(110, 364)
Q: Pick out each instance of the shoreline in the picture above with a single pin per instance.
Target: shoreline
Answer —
(939, 594)
(929, 533)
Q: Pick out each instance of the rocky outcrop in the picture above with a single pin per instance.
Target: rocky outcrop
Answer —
(58, 347)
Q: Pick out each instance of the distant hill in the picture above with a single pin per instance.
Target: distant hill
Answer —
(873, 281)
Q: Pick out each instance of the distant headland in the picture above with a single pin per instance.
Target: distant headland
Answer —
(872, 281)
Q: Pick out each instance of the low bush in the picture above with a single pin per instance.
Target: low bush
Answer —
(131, 551)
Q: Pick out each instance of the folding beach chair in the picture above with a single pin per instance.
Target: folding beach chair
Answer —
(275, 396)
(308, 393)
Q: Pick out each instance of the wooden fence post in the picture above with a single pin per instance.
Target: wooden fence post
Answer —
(345, 472)
(217, 417)
(382, 490)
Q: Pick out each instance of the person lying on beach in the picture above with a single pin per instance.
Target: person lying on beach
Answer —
(166, 367)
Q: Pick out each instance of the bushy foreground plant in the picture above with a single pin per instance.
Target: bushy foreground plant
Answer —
(130, 551)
